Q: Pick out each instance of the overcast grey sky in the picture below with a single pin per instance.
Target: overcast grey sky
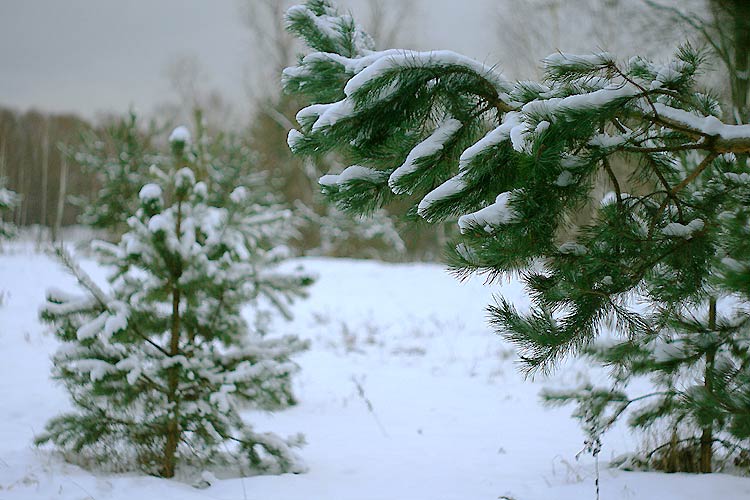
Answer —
(86, 56)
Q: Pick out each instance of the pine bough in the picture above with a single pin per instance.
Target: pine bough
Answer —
(518, 164)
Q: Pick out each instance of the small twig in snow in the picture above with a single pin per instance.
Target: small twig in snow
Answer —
(368, 403)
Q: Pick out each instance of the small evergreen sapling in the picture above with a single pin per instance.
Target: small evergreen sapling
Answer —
(8, 200)
(519, 164)
(159, 366)
(119, 158)
(344, 234)
(696, 351)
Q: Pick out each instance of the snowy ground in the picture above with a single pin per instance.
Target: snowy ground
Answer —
(450, 417)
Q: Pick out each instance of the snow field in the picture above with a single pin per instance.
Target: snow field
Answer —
(405, 394)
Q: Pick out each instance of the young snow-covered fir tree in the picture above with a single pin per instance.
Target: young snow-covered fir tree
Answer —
(159, 365)
(119, 158)
(519, 166)
(226, 161)
(343, 234)
(8, 200)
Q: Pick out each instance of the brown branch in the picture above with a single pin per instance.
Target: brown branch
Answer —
(670, 195)
(665, 149)
(619, 126)
(695, 173)
(644, 92)
(615, 183)
(148, 340)
(657, 216)
(153, 383)
(679, 127)
(674, 191)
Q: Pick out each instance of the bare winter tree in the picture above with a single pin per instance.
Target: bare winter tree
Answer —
(724, 27)
(386, 22)
(45, 171)
(269, 40)
(62, 195)
(646, 27)
(193, 94)
(31, 161)
(530, 30)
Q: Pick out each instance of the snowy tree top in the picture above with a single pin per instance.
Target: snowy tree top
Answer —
(180, 134)
(149, 192)
(8, 198)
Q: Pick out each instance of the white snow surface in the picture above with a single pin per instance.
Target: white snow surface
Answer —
(451, 187)
(564, 179)
(332, 113)
(7, 197)
(683, 230)
(150, 191)
(374, 65)
(709, 125)
(604, 140)
(573, 248)
(412, 59)
(351, 65)
(493, 215)
(511, 120)
(451, 417)
(352, 173)
(180, 134)
(593, 99)
(434, 143)
(294, 138)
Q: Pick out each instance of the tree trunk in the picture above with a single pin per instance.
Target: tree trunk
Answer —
(741, 16)
(61, 195)
(45, 176)
(3, 160)
(741, 77)
(707, 436)
(20, 189)
(173, 425)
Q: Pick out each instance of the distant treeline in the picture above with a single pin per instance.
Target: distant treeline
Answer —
(52, 184)
(35, 167)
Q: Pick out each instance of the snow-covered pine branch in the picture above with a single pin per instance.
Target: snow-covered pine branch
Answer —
(118, 157)
(458, 137)
(520, 167)
(390, 95)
